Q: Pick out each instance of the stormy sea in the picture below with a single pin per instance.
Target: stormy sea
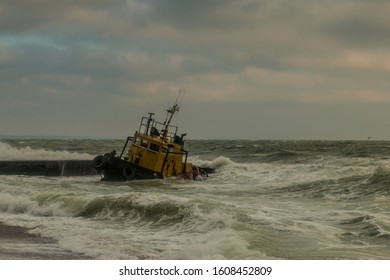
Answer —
(267, 200)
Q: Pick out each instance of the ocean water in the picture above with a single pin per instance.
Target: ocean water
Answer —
(267, 200)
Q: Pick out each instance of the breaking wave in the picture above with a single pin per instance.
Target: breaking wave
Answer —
(267, 199)
(132, 208)
(364, 226)
(9, 152)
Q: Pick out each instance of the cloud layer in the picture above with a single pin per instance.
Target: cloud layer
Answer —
(94, 67)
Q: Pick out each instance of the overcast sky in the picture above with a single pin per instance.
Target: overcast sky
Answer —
(251, 69)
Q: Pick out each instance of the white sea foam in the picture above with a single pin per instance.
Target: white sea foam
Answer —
(274, 174)
(23, 204)
(314, 205)
(8, 152)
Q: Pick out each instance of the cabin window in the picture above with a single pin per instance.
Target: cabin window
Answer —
(154, 147)
(144, 143)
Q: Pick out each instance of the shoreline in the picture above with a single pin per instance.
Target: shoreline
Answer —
(16, 243)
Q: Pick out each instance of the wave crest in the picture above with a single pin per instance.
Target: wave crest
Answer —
(8, 152)
(131, 208)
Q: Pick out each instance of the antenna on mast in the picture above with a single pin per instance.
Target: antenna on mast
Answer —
(171, 111)
(177, 105)
(182, 96)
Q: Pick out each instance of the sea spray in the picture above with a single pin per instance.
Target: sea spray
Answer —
(267, 200)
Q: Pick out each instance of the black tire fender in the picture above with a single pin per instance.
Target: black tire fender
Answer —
(99, 162)
(129, 173)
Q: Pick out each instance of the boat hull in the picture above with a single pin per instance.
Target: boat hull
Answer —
(113, 168)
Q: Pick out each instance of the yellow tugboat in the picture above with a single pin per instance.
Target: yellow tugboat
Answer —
(156, 151)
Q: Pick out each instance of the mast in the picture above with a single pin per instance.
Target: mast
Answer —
(170, 112)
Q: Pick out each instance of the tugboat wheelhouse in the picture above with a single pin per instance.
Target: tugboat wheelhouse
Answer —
(156, 151)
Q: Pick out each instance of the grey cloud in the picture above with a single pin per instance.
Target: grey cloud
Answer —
(202, 14)
(27, 15)
(264, 60)
(355, 31)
